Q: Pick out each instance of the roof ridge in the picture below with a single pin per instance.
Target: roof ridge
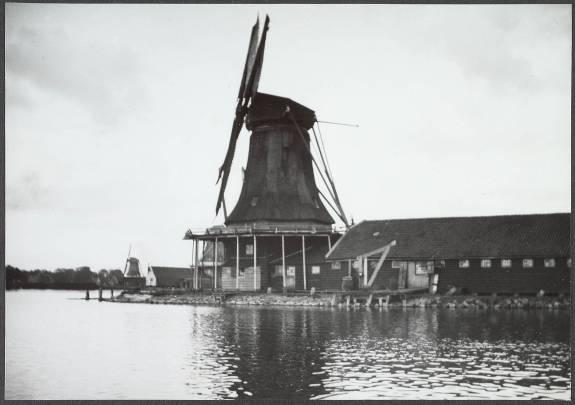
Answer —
(462, 217)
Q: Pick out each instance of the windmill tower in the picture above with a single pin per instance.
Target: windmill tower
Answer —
(133, 279)
(280, 211)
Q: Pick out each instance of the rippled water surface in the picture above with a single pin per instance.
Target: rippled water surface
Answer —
(59, 348)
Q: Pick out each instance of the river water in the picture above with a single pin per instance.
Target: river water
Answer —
(63, 348)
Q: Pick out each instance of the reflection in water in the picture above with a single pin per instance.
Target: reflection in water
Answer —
(143, 351)
(450, 369)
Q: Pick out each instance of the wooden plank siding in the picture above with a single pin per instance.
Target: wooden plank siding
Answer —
(514, 279)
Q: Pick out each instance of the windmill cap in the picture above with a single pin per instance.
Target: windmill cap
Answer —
(267, 109)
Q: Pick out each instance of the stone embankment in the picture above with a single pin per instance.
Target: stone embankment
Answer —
(339, 300)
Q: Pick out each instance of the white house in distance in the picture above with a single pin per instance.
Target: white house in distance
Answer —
(168, 277)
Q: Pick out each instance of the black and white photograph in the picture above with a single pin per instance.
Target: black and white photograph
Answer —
(273, 201)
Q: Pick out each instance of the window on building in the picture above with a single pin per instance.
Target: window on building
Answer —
(549, 262)
(439, 264)
(485, 263)
(527, 263)
(278, 271)
(395, 264)
(315, 269)
(336, 265)
(423, 267)
(249, 250)
(464, 264)
(506, 263)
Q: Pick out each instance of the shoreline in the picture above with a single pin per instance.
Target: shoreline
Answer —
(338, 300)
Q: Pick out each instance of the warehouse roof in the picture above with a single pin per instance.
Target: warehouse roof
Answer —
(170, 275)
(465, 237)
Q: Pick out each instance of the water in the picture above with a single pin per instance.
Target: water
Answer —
(58, 348)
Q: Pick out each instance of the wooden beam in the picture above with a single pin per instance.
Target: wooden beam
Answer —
(216, 264)
(303, 256)
(255, 263)
(384, 254)
(237, 262)
(197, 278)
(379, 250)
(283, 262)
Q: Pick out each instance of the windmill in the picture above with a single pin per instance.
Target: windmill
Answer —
(132, 277)
(279, 198)
(279, 184)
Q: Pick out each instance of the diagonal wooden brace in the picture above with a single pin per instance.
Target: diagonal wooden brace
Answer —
(384, 252)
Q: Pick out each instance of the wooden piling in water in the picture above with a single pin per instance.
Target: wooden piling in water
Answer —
(87, 295)
(99, 294)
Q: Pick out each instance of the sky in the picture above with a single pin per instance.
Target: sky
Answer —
(118, 116)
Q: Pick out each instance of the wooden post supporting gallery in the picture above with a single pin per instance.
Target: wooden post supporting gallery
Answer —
(197, 273)
(365, 267)
(237, 262)
(216, 264)
(329, 242)
(303, 256)
(283, 263)
(255, 263)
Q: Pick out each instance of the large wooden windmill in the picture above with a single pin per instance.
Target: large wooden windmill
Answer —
(280, 211)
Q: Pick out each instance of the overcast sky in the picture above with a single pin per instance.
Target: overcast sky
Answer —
(118, 116)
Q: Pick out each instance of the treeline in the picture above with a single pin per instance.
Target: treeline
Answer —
(78, 278)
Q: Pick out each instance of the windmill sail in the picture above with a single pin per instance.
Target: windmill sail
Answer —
(252, 87)
(248, 88)
(250, 58)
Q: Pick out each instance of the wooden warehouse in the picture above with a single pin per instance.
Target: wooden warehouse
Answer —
(503, 254)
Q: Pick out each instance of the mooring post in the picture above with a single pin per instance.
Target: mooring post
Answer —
(100, 294)
(111, 293)
(87, 295)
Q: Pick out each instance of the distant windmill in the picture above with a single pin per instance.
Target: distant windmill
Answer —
(132, 277)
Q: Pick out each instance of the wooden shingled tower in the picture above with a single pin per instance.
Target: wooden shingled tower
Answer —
(279, 195)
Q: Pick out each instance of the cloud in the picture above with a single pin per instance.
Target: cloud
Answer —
(27, 194)
(103, 79)
(506, 46)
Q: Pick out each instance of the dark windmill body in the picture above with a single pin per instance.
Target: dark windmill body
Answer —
(133, 279)
(280, 213)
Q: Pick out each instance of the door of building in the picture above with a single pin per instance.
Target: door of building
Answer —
(402, 277)
(290, 277)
